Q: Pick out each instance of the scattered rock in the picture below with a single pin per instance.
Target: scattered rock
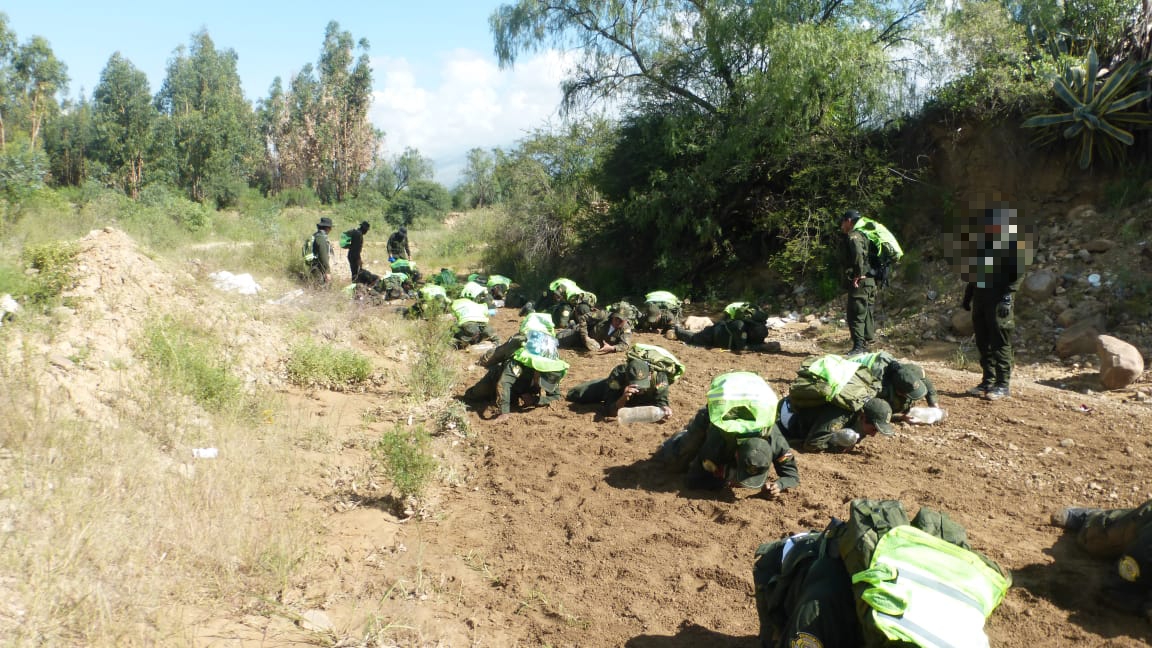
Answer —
(1120, 362)
(1099, 245)
(316, 621)
(1079, 338)
(1067, 443)
(962, 323)
(1084, 255)
(696, 323)
(1040, 285)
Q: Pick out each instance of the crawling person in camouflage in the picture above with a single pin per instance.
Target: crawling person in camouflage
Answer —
(902, 384)
(531, 373)
(610, 334)
(1123, 535)
(829, 428)
(732, 441)
(742, 326)
(661, 312)
(643, 379)
(471, 324)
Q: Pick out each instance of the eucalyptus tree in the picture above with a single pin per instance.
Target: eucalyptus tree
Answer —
(7, 48)
(70, 142)
(124, 119)
(37, 75)
(347, 138)
(206, 126)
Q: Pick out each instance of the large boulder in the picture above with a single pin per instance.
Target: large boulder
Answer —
(1120, 362)
(1080, 338)
(1040, 285)
(962, 323)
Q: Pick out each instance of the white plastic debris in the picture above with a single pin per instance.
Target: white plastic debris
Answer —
(228, 282)
(926, 415)
(205, 453)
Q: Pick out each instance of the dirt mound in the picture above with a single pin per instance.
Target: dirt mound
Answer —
(84, 358)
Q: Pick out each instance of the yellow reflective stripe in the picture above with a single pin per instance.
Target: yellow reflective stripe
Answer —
(472, 290)
(662, 296)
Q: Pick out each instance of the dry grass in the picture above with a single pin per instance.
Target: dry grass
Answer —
(107, 530)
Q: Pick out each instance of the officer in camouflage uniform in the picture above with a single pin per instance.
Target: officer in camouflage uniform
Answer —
(394, 286)
(609, 334)
(829, 428)
(991, 296)
(1124, 535)
(477, 293)
(662, 312)
(498, 286)
(531, 368)
(471, 323)
(732, 441)
(431, 301)
(398, 244)
(630, 384)
(902, 384)
(860, 279)
(319, 255)
(742, 325)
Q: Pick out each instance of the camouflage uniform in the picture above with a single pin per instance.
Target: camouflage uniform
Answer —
(991, 299)
(662, 312)
(653, 386)
(612, 332)
(742, 325)
(901, 383)
(711, 456)
(531, 367)
(1124, 535)
(859, 278)
(817, 429)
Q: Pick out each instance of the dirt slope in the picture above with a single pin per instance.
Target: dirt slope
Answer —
(563, 534)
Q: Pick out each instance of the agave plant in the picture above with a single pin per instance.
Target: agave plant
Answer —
(1105, 107)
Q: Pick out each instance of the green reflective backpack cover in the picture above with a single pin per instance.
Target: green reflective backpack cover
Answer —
(812, 389)
(345, 240)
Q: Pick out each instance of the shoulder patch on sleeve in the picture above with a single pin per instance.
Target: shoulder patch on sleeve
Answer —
(805, 640)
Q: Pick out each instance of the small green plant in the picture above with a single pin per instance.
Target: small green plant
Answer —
(317, 365)
(434, 373)
(406, 460)
(1101, 110)
(193, 363)
(55, 266)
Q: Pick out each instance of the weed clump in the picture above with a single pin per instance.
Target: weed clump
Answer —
(192, 362)
(317, 365)
(405, 458)
(55, 265)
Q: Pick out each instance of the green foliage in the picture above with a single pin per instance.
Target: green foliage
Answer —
(406, 459)
(996, 71)
(422, 201)
(433, 374)
(55, 265)
(1102, 108)
(192, 361)
(320, 365)
(22, 171)
(123, 121)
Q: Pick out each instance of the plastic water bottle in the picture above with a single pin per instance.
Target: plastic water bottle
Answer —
(644, 414)
(205, 453)
(926, 415)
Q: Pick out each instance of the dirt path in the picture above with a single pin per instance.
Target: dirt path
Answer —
(557, 530)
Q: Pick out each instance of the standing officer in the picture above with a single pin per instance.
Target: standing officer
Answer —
(859, 276)
(319, 253)
(990, 297)
(398, 245)
(356, 247)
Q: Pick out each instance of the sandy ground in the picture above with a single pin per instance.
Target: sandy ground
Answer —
(556, 529)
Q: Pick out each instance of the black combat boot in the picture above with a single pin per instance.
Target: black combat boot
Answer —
(1071, 518)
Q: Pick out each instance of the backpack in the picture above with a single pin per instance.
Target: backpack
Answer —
(345, 240)
(658, 358)
(306, 251)
(830, 379)
(884, 250)
(778, 577)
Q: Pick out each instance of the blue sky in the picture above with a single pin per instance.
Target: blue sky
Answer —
(437, 86)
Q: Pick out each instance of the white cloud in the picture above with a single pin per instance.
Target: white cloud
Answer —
(467, 103)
